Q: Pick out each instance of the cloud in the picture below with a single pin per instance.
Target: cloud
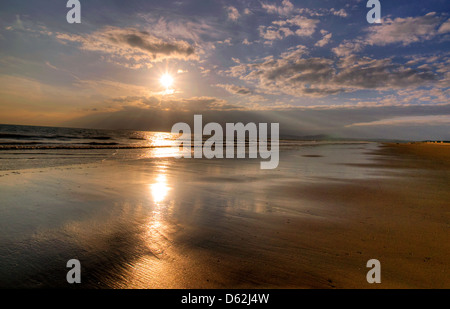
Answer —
(340, 13)
(431, 120)
(400, 30)
(405, 30)
(132, 47)
(347, 48)
(280, 29)
(247, 93)
(183, 28)
(367, 73)
(445, 27)
(337, 121)
(325, 39)
(196, 104)
(285, 8)
(110, 88)
(233, 13)
(322, 12)
(225, 42)
(290, 74)
(305, 26)
(295, 75)
(272, 33)
(234, 89)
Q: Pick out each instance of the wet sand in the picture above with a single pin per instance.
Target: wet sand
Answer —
(167, 223)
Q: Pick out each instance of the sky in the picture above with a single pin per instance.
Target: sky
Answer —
(315, 67)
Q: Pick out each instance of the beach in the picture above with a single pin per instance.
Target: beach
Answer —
(159, 222)
(221, 152)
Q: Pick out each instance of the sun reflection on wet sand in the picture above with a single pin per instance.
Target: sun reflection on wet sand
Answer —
(159, 189)
(154, 267)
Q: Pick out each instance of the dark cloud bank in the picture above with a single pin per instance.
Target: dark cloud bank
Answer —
(297, 122)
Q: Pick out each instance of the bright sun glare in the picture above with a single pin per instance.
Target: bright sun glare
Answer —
(166, 80)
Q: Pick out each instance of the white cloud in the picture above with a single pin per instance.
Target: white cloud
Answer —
(234, 89)
(325, 39)
(182, 28)
(404, 30)
(445, 27)
(340, 13)
(233, 13)
(347, 48)
(272, 33)
(280, 29)
(225, 42)
(295, 75)
(306, 26)
(286, 8)
(131, 47)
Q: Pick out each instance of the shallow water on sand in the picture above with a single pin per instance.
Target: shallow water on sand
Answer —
(144, 221)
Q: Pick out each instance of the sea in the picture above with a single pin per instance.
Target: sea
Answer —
(24, 147)
(28, 147)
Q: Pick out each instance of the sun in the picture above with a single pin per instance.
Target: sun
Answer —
(166, 80)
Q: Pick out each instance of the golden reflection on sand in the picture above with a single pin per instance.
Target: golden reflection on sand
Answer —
(153, 267)
(164, 145)
(159, 189)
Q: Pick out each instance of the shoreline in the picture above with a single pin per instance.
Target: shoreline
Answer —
(163, 223)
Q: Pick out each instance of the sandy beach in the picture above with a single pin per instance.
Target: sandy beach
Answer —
(165, 223)
(180, 146)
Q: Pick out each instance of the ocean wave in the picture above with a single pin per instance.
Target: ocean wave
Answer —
(78, 146)
(93, 145)
(37, 137)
